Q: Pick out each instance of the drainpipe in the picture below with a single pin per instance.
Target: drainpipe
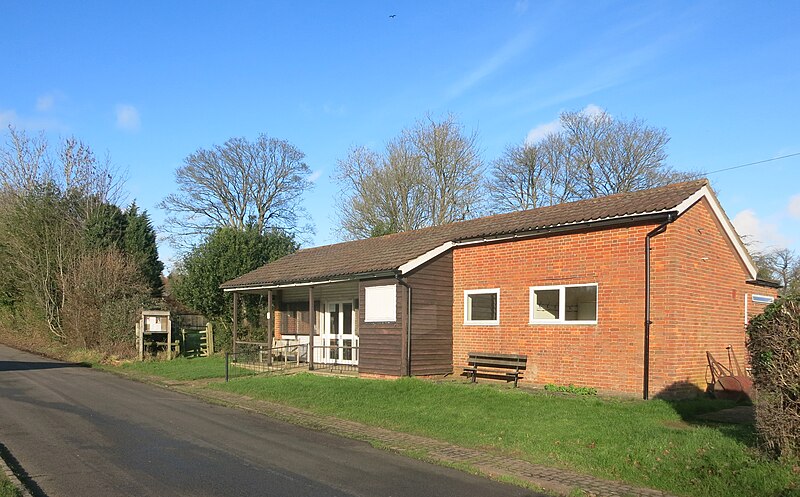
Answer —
(408, 324)
(647, 322)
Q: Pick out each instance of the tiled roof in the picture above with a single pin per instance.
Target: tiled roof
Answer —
(388, 253)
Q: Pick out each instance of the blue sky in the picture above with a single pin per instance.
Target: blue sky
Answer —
(151, 82)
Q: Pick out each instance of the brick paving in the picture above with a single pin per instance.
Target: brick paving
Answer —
(492, 464)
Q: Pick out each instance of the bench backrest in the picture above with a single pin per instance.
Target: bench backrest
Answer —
(499, 361)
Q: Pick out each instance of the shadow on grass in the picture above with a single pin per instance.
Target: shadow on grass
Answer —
(692, 404)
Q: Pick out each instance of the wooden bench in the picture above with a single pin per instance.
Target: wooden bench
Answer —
(507, 367)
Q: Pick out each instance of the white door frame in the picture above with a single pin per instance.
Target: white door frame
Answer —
(337, 343)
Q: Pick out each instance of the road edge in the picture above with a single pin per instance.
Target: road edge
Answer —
(6, 469)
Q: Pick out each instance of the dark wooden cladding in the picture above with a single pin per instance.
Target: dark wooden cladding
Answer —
(432, 317)
(382, 345)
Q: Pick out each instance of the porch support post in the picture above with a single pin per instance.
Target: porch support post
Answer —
(270, 332)
(312, 324)
(140, 336)
(235, 321)
(169, 338)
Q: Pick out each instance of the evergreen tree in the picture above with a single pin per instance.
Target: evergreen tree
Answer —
(105, 228)
(139, 243)
(226, 254)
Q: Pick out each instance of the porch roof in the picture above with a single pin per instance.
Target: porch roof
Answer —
(391, 253)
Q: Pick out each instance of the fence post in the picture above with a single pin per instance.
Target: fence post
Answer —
(209, 339)
(227, 357)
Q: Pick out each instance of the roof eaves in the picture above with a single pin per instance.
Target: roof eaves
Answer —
(570, 226)
(531, 232)
(765, 282)
(317, 280)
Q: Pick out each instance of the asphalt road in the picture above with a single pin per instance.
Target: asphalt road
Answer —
(78, 432)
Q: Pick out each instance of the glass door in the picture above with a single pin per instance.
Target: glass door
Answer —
(339, 336)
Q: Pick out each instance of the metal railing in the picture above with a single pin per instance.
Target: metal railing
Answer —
(336, 358)
(253, 358)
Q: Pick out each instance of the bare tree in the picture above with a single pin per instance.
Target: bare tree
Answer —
(451, 164)
(28, 162)
(83, 173)
(428, 176)
(239, 183)
(532, 175)
(24, 161)
(591, 155)
(384, 193)
(781, 265)
(47, 195)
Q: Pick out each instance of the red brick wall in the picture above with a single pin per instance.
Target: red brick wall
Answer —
(607, 355)
(278, 318)
(697, 304)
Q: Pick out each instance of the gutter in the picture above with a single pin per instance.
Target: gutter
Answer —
(273, 286)
(765, 283)
(408, 323)
(661, 228)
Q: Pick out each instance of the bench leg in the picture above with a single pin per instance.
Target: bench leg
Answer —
(475, 376)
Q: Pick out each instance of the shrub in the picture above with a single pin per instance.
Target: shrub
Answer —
(550, 387)
(102, 298)
(774, 345)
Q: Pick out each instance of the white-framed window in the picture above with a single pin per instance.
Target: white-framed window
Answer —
(482, 307)
(563, 304)
(380, 304)
(763, 299)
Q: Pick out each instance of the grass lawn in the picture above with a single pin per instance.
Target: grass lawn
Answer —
(652, 444)
(182, 368)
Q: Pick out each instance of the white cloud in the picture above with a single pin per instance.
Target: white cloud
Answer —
(128, 117)
(541, 131)
(11, 117)
(8, 117)
(333, 109)
(758, 233)
(592, 110)
(538, 133)
(314, 176)
(45, 102)
(521, 6)
(497, 60)
(794, 206)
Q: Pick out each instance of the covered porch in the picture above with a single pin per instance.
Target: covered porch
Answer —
(309, 326)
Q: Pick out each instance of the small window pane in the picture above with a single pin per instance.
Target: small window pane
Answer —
(347, 315)
(581, 303)
(482, 306)
(545, 304)
(333, 316)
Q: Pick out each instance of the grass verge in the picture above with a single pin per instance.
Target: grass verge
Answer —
(654, 444)
(181, 368)
(7, 489)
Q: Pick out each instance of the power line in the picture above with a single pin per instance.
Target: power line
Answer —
(753, 163)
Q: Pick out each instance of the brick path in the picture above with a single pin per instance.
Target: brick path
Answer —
(558, 481)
